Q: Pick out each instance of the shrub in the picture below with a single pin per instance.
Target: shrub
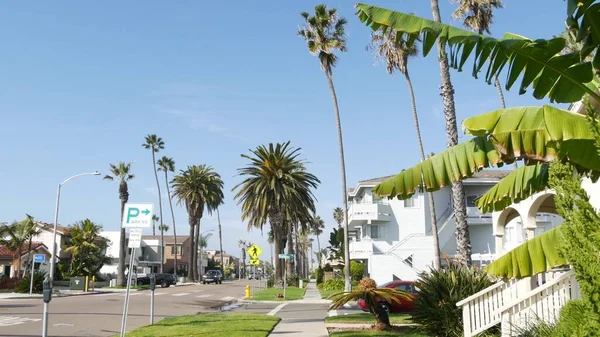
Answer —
(535, 328)
(319, 274)
(270, 282)
(367, 283)
(577, 319)
(333, 284)
(293, 280)
(327, 267)
(435, 308)
(357, 270)
(38, 280)
(7, 283)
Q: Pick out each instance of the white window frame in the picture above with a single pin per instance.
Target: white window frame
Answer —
(414, 202)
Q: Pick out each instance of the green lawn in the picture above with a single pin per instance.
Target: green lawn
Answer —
(326, 293)
(291, 293)
(214, 325)
(367, 318)
(404, 331)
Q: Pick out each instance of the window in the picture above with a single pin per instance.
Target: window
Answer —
(375, 232)
(409, 203)
(179, 250)
(404, 287)
(471, 200)
(409, 261)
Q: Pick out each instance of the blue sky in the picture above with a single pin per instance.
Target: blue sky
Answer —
(82, 83)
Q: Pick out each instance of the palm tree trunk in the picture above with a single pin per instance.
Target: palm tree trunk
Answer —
(347, 284)
(19, 266)
(434, 228)
(195, 251)
(290, 250)
(173, 219)
(192, 222)
(318, 246)
(221, 243)
(463, 241)
(162, 238)
(277, 242)
(298, 257)
(122, 251)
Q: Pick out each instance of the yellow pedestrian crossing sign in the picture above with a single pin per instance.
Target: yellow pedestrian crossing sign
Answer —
(255, 262)
(254, 251)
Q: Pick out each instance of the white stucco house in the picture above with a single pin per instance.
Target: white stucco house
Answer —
(146, 259)
(394, 238)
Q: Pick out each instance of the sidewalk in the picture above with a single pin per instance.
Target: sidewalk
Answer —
(305, 317)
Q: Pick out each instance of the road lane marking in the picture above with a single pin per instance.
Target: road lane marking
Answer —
(180, 294)
(227, 298)
(204, 296)
(276, 310)
(12, 320)
(333, 313)
(63, 324)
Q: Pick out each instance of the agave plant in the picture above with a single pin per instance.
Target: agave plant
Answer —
(372, 296)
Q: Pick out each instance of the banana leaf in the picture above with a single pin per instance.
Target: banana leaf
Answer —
(538, 134)
(535, 256)
(588, 30)
(452, 165)
(562, 78)
(518, 185)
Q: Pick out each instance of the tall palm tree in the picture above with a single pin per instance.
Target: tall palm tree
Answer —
(221, 242)
(276, 189)
(463, 241)
(242, 245)
(163, 227)
(30, 227)
(167, 165)
(338, 216)
(199, 187)
(155, 144)
(121, 172)
(395, 51)
(324, 33)
(317, 227)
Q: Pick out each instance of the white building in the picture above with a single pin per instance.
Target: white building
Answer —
(394, 238)
(146, 259)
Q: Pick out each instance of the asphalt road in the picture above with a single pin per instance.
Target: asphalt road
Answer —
(100, 315)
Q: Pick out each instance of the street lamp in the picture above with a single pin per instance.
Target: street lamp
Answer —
(200, 246)
(51, 278)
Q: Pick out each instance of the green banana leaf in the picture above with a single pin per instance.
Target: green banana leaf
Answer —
(518, 185)
(588, 30)
(538, 134)
(562, 78)
(535, 256)
(453, 164)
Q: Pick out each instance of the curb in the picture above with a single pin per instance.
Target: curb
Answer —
(360, 325)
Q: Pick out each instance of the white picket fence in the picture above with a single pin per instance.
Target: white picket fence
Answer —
(514, 303)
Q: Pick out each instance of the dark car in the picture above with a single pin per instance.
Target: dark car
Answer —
(404, 305)
(164, 280)
(212, 276)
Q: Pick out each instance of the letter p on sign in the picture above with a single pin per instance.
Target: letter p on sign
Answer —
(137, 215)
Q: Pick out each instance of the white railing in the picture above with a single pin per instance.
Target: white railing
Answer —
(408, 237)
(376, 211)
(542, 303)
(513, 303)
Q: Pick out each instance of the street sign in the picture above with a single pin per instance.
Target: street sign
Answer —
(137, 216)
(135, 238)
(286, 256)
(254, 251)
(255, 262)
(39, 258)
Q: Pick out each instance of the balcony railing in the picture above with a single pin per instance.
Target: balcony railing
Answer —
(363, 247)
(369, 212)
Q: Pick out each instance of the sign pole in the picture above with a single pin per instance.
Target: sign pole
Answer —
(31, 275)
(126, 305)
(284, 276)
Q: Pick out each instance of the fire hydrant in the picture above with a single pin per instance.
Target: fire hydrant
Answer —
(247, 291)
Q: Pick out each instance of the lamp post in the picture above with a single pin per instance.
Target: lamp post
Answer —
(200, 246)
(51, 277)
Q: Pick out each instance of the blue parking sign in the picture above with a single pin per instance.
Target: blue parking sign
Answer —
(39, 258)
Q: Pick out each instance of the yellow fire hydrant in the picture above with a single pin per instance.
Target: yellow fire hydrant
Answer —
(247, 291)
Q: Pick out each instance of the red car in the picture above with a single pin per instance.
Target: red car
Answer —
(404, 305)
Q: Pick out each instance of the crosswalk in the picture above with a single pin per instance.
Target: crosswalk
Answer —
(190, 294)
(13, 320)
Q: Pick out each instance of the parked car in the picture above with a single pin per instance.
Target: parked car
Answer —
(253, 276)
(164, 280)
(405, 305)
(212, 276)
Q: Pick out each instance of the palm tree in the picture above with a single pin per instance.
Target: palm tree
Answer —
(31, 228)
(276, 189)
(155, 144)
(395, 51)
(463, 241)
(86, 248)
(221, 242)
(121, 172)
(199, 187)
(167, 165)
(242, 245)
(324, 33)
(163, 227)
(338, 216)
(317, 227)
(202, 244)
(14, 237)
(155, 218)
